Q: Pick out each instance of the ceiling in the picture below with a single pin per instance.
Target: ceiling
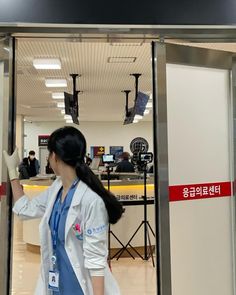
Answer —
(101, 82)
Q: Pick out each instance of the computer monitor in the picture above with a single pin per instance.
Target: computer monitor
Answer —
(108, 158)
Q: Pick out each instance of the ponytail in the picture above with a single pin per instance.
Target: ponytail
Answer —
(113, 206)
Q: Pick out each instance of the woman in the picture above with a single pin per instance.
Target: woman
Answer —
(76, 210)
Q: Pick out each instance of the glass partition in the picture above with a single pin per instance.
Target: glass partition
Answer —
(6, 141)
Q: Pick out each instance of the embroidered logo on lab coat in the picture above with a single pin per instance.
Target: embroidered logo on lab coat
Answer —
(96, 230)
(78, 231)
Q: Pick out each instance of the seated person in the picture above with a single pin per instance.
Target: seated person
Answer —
(150, 169)
(125, 165)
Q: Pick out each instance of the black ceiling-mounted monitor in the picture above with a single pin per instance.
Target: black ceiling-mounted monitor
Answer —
(138, 109)
(140, 103)
(71, 106)
(129, 116)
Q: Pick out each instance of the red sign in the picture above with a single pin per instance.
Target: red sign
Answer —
(97, 151)
(199, 191)
(2, 189)
(43, 140)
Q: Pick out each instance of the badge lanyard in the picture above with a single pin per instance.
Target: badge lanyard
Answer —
(56, 220)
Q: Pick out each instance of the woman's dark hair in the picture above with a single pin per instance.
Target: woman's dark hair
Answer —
(69, 144)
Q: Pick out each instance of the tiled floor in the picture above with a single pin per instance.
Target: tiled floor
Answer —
(135, 277)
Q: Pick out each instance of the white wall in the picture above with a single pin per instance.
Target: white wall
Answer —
(96, 133)
(198, 147)
(20, 134)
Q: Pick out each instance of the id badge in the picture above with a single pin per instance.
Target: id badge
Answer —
(53, 282)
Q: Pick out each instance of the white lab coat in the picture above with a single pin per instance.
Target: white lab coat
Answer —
(88, 210)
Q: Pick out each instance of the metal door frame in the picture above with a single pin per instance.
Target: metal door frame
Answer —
(190, 56)
(162, 53)
(6, 201)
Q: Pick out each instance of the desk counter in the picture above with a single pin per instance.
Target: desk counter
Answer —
(129, 192)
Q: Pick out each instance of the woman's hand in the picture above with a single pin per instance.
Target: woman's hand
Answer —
(12, 162)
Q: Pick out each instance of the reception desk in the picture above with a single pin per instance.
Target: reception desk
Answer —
(129, 192)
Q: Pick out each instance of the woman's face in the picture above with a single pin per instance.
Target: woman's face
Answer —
(53, 162)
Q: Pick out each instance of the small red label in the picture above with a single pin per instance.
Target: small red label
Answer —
(199, 191)
(2, 189)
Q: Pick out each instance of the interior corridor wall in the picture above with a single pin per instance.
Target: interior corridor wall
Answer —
(96, 133)
(201, 235)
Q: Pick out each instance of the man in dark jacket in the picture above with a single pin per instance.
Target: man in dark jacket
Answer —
(125, 165)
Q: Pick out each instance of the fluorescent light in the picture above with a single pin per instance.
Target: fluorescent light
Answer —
(128, 59)
(60, 105)
(67, 117)
(55, 82)
(63, 112)
(146, 112)
(149, 105)
(69, 121)
(138, 117)
(47, 64)
(58, 95)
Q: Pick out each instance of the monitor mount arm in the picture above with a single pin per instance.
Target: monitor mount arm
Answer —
(136, 76)
(126, 101)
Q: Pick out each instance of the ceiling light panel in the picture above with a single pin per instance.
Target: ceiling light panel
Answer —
(130, 59)
(146, 112)
(149, 105)
(58, 95)
(60, 105)
(47, 64)
(126, 44)
(138, 117)
(55, 82)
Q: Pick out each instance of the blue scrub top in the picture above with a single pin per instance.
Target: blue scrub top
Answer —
(68, 282)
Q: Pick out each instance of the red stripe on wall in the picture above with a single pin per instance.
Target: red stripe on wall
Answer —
(199, 191)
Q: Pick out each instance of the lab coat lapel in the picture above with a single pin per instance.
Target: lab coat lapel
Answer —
(52, 200)
(73, 213)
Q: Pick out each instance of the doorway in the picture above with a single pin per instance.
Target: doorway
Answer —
(104, 70)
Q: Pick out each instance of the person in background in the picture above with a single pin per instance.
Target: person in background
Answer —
(48, 168)
(24, 169)
(33, 164)
(76, 211)
(125, 165)
(151, 169)
(88, 160)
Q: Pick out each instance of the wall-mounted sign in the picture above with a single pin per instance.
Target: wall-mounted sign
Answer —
(43, 140)
(116, 151)
(139, 144)
(199, 191)
(97, 151)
